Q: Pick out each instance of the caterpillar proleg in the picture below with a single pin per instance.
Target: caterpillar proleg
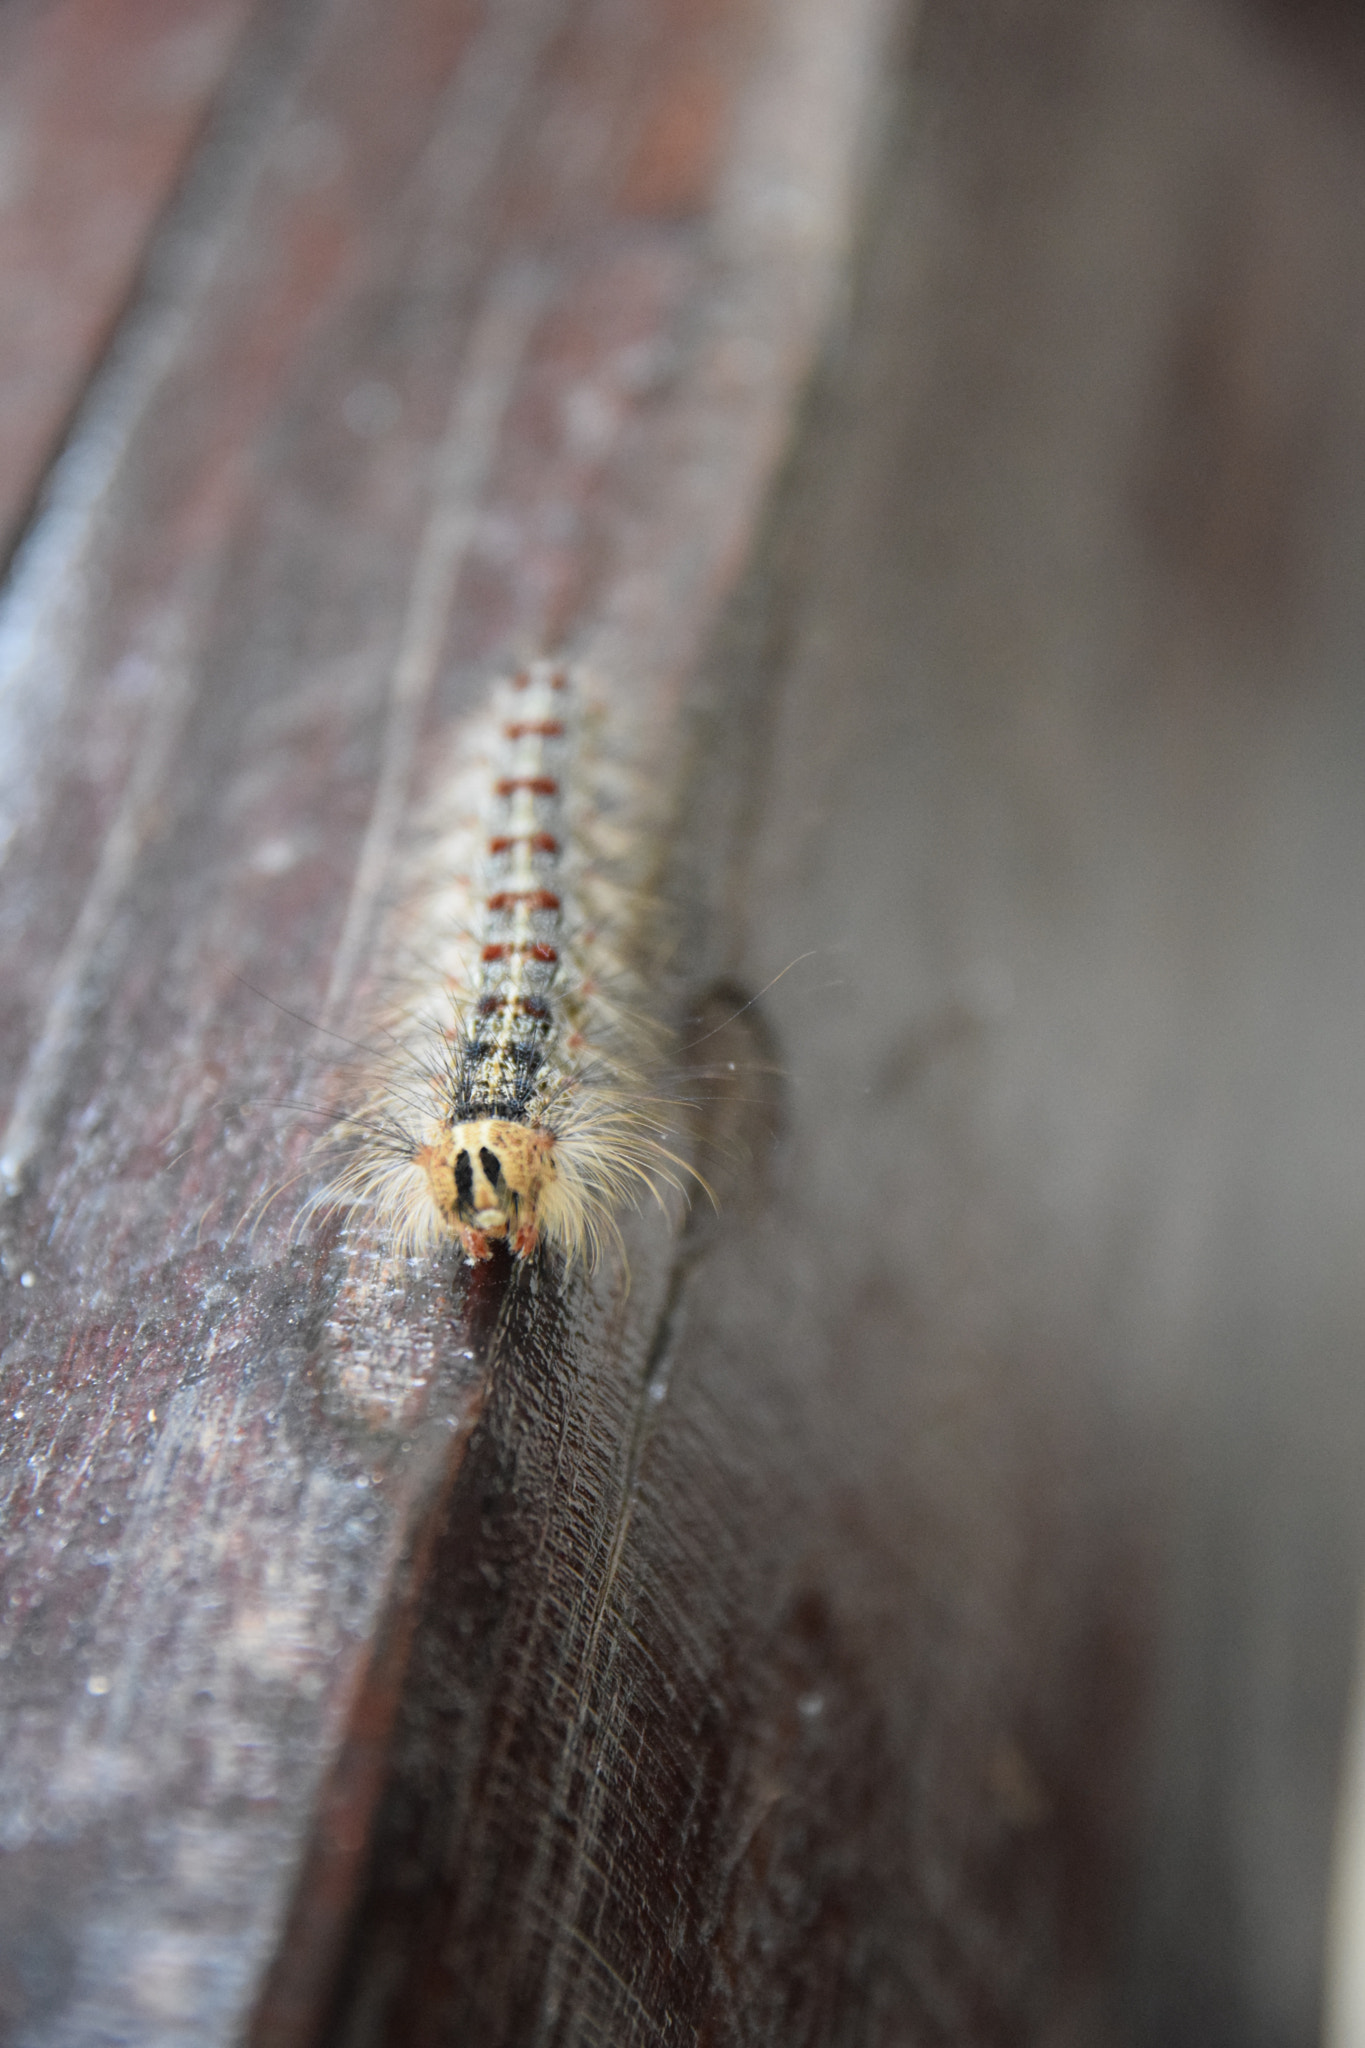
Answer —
(510, 1100)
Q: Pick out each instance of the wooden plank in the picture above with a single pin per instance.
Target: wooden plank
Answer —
(100, 103)
(757, 1656)
(1024, 1396)
(527, 295)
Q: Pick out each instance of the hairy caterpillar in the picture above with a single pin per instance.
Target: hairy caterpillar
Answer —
(510, 1102)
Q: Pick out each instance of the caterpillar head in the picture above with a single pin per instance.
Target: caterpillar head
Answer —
(490, 1180)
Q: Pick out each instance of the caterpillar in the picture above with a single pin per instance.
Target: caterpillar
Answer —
(510, 1102)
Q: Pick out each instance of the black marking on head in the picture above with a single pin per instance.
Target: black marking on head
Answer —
(491, 1165)
(464, 1180)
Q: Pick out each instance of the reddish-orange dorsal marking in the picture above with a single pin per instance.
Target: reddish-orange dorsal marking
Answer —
(535, 899)
(539, 842)
(535, 728)
(529, 1006)
(539, 785)
(533, 951)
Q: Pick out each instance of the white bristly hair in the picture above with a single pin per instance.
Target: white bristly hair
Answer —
(510, 1098)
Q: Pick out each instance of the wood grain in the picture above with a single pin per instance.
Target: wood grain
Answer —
(440, 362)
(101, 102)
(921, 1607)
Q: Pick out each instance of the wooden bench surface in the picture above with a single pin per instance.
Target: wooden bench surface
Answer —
(920, 1606)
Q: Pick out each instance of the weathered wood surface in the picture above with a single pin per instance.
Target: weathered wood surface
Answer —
(100, 102)
(763, 1656)
(484, 328)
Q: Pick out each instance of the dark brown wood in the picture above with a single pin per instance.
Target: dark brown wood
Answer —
(921, 1608)
(474, 328)
(100, 102)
